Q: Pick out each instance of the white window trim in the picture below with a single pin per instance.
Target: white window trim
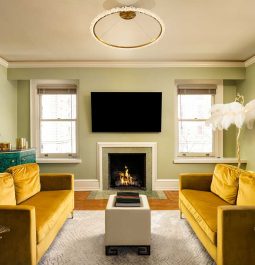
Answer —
(34, 120)
(218, 144)
(207, 160)
(58, 161)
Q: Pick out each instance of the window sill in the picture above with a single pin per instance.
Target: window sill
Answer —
(207, 160)
(58, 160)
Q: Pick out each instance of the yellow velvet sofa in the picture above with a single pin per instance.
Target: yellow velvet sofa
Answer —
(220, 208)
(34, 207)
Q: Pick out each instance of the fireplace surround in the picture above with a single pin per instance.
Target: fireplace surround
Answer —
(147, 149)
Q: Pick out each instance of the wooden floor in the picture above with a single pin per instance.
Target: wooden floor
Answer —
(82, 203)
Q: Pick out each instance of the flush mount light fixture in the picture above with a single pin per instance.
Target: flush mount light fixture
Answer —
(127, 27)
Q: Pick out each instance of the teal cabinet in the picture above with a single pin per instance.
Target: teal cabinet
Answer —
(13, 158)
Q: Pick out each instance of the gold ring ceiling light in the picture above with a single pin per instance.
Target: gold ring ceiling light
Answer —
(127, 27)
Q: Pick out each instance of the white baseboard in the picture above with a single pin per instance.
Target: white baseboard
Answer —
(166, 184)
(86, 184)
(93, 184)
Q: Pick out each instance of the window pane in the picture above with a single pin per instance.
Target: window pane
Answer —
(194, 106)
(195, 137)
(58, 106)
(58, 137)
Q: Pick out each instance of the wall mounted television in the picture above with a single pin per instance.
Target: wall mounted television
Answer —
(126, 111)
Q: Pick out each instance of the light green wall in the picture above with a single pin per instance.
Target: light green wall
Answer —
(23, 124)
(8, 108)
(99, 79)
(229, 136)
(247, 89)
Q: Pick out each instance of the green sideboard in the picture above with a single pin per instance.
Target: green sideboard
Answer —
(16, 157)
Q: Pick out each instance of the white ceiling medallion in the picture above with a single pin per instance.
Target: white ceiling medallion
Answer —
(127, 27)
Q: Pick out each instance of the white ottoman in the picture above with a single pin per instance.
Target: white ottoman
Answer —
(127, 226)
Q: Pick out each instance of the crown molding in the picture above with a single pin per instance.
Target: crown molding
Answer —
(121, 64)
(3, 62)
(249, 61)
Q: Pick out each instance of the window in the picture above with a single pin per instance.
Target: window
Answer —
(195, 138)
(56, 120)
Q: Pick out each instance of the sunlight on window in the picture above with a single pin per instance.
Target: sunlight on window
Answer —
(58, 124)
(58, 106)
(194, 106)
(194, 135)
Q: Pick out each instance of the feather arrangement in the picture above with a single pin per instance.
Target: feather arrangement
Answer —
(223, 115)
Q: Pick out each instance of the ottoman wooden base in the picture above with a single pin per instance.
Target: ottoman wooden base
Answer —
(113, 250)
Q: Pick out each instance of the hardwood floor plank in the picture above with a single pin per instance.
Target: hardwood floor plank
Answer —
(82, 203)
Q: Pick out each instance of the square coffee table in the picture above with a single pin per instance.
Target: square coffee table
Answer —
(127, 226)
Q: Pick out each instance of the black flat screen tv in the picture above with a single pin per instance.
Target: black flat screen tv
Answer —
(126, 111)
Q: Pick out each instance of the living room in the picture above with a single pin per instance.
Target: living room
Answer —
(202, 55)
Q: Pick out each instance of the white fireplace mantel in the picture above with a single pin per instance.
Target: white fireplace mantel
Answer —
(101, 145)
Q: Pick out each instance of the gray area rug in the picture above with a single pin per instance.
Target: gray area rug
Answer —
(104, 194)
(81, 242)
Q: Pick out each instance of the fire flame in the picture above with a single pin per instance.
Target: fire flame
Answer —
(125, 178)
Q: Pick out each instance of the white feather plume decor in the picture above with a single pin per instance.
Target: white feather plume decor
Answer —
(223, 115)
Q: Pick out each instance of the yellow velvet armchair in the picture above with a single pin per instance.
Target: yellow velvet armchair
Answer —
(35, 222)
(226, 230)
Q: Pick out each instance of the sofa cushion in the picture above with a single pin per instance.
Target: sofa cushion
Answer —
(7, 191)
(203, 206)
(26, 181)
(49, 205)
(225, 182)
(246, 192)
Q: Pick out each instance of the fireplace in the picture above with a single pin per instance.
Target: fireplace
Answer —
(127, 171)
(147, 149)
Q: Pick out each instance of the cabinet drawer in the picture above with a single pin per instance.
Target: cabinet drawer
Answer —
(4, 156)
(27, 159)
(8, 162)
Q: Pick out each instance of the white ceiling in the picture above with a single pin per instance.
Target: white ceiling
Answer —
(58, 30)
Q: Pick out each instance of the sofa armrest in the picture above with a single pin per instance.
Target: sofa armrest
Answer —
(195, 181)
(18, 246)
(57, 181)
(236, 235)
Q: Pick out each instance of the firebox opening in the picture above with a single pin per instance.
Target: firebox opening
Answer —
(127, 171)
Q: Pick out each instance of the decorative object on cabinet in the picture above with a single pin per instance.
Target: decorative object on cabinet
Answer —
(16, 157)
(21, 143)
(5, 146)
